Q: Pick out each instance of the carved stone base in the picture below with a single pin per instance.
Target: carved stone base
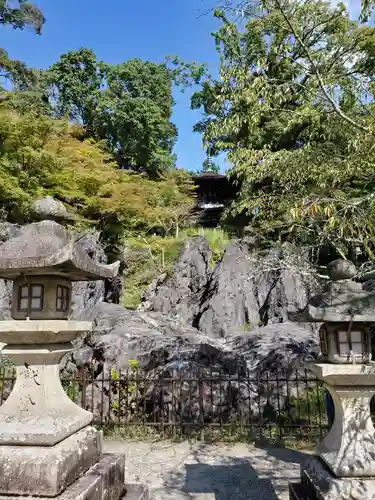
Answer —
(38, 412)
(48, 470)
(318, 483)
(104, 481)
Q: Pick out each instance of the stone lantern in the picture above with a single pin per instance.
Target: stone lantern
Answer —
(344, 464)
(342, 340)
(48, 447)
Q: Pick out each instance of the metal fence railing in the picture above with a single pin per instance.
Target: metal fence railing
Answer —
(207, 404)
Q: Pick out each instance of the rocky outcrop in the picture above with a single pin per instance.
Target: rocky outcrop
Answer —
(199, 321)
(180, 295)
(87, 294)
(6, 231)
(245, 290)
(164, 348)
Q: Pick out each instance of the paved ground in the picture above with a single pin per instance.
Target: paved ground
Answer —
(193, 471)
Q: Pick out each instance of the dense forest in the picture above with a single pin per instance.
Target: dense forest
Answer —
(293, 111)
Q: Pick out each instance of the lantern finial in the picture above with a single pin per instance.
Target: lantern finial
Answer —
(341, 269)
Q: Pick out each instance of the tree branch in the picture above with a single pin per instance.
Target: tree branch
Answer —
(333, 103)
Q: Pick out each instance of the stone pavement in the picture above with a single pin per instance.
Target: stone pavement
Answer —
(194, 471)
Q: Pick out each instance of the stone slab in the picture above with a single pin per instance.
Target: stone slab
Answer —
(134, 491)
(344, 375)
(103, 481)
(48, 470)
(320, 484)
(47, 331)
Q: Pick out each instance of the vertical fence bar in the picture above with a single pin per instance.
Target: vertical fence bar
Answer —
(298, 404)
(248, 383)
(110, 405)
(317, 387)
(161, 381)
(181, 405)
(83, 389)
(279, 412)
(137, 395)
(260, 416)
(173, 409)
(92, 390)
(123, 382)
(102, 398)
(2, 384)
(190, 376)
(201, 405)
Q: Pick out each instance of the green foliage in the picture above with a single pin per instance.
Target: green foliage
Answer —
(293, 111)
(147, 258)
(23, 14)
(40, 156)
(367, 9)
(128, 106)
(27, 94)
(16, 72)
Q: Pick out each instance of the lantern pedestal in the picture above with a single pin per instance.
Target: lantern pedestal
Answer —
(47, 446)
(345, 461)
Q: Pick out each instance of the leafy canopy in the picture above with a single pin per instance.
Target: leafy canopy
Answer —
(293, 109)
(40, 156)
(21, 14)
(128, 106)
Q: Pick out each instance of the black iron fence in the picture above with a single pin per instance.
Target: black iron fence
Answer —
(207, 405)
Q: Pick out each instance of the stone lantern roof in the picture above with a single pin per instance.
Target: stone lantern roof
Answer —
(47, 248)
(342, 300)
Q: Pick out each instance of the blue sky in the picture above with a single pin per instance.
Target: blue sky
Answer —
(117, 30)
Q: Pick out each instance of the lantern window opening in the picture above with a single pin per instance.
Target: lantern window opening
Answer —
(62, 298)
(354, 341)
(30, 298)
(323, 337)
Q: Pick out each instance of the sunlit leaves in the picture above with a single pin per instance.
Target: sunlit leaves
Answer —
(21, 14)
(303, 172)
(40, 156)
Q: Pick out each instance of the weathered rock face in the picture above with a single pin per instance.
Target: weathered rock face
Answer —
(87, 294)
(244, 291)
(180, 295)
(165, 349)
(6, 231)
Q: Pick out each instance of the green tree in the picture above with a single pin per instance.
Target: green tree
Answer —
(15, 73)
(41, 156)
(128, 106)
(23, 15)
(293, 110)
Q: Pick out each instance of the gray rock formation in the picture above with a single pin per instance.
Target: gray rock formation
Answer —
(244, 291)
(181, 294)
(49, 209)
(87, 294)
(164, 349)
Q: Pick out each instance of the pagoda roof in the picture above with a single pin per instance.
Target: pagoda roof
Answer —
(48, 248)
